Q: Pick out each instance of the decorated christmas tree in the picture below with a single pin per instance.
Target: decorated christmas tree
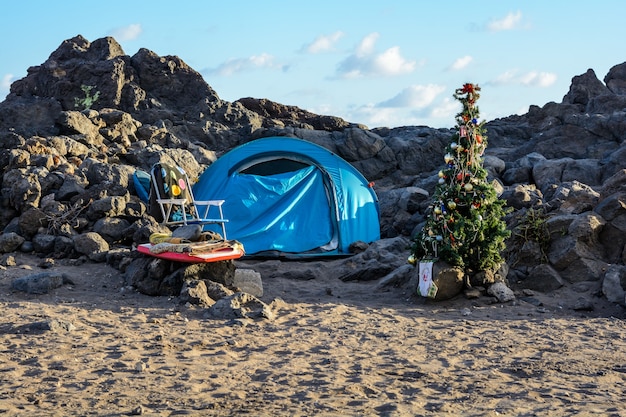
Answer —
(464, 225)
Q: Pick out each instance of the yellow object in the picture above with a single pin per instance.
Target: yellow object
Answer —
(159, 237)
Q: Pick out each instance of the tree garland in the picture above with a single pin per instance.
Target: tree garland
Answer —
(464, 225)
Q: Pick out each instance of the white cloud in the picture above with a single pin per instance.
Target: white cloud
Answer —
(522, 110)
(5, 85)
(415, 96)
(374, 116)
(440, 113)
(233, 66)
(507, 77)
(377, 117)
(461, 63)
(127, 33)
(391, 62)
(367, 44)
(364, 61)
(509, 22)
(530, 79)
(538, 79)
(323, 43)
(446, 109)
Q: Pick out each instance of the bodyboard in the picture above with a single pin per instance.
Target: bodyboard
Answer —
(223, 254)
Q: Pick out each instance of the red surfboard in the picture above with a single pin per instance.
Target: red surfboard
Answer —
(218, 255)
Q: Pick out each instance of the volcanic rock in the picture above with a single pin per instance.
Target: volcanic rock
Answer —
(75, 129)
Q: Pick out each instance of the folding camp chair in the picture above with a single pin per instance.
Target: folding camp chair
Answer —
(171, 193)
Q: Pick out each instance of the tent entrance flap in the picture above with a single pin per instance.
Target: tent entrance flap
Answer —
(287, 212)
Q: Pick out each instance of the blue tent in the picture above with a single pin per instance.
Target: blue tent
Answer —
(292, 197)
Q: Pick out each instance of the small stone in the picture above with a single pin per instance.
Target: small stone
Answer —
(249, 281)
(190, 232)
(9, 260)
(58, 326)
(9, 242)
(46, 263)
(583, 304)
(532, 300)
(40, 283)
(137, 411)
(27, 246)
(358, 247)
(472, 293)
(194, 292)
(501, 292)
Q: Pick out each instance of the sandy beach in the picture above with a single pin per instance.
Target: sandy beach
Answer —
(98, 348)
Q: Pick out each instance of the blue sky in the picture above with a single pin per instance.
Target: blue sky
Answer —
(391, 63)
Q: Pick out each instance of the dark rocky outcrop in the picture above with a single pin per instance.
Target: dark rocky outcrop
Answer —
(40, 283)
(74, 130)
(275, 114)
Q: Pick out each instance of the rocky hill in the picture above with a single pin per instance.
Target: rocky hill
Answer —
(74, 130)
